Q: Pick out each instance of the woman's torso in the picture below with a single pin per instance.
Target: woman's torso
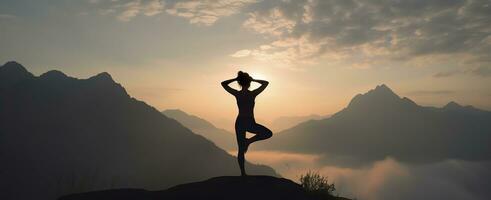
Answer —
(245, 102)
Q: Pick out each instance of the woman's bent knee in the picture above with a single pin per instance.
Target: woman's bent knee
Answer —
(268, 134)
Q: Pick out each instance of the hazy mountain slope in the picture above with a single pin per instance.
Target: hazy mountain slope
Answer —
(61, 135)
(286, 122)
(379, 123)
(222, 138)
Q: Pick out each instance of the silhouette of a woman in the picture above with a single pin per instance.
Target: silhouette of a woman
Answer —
(245, 121)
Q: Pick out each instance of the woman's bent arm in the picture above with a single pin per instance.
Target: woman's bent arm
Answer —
(225, 85)
(263, 86)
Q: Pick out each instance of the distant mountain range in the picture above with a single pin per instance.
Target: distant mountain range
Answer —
(286, 122)
(221, 137)
(380, 124)
(60, 135)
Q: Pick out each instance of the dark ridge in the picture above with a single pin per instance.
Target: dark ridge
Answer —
(12, 65)
(53, 75)
(12, 73)
(452, 105)
(225, 187)
(102, 77)
(409, 101)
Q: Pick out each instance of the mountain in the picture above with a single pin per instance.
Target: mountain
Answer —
(286, 122)
(60, 135)
(380, 124)
(12, 73)
(238, 188)
(221, 137)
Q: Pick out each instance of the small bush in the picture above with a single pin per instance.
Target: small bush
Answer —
(317, 184)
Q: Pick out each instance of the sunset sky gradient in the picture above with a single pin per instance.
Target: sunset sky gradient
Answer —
(317, 55)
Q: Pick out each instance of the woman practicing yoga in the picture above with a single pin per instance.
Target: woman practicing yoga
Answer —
(245, 121)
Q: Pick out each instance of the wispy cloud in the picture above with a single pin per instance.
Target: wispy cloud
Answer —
(126, 10)
(241, 53)
(431, 92)
(94, 1)
(481, 71)
(206, 12)
(130, 10)
(361, 31)
(448, 73)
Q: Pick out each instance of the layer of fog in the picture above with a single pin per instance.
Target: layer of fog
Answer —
(388, 178)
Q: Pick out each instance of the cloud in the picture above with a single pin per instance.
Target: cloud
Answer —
(241, 53)
(94, 1)
(389, 178)
(130, 10)
(447, 74)
(127, 10)
(273, 23)
(360, 31)
(153, 8)
(482, 71)
(205, 12)
(431, 92)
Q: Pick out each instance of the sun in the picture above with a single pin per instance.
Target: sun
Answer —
(258, 75)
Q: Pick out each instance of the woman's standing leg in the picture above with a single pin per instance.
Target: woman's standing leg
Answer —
(242, 145)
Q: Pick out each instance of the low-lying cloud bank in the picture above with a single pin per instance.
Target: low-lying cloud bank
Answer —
(390, 179)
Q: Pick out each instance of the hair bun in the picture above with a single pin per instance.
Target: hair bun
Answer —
(241, 73)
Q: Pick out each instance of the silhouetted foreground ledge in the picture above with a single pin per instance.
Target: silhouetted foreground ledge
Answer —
(225, 187)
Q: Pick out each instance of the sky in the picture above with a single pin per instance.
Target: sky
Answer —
(316, 54)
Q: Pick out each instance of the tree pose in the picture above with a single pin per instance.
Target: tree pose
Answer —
(245, 121)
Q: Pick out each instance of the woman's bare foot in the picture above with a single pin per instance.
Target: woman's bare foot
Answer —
(247, 143)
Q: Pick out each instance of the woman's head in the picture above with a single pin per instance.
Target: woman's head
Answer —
(244, 79)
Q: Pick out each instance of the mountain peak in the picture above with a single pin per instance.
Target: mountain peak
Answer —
(380, 95)
(383, 89)
(12, 67)
(452, 105)
(104, 76)
(12, 73)
(53, 74)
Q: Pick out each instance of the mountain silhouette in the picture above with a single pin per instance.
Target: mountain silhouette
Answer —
(238, 188)
(12, 73)
(380, 124)
(286, 122)
(221, 137)
(61, 135)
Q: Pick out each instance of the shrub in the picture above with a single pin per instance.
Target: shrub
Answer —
(317, 184)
